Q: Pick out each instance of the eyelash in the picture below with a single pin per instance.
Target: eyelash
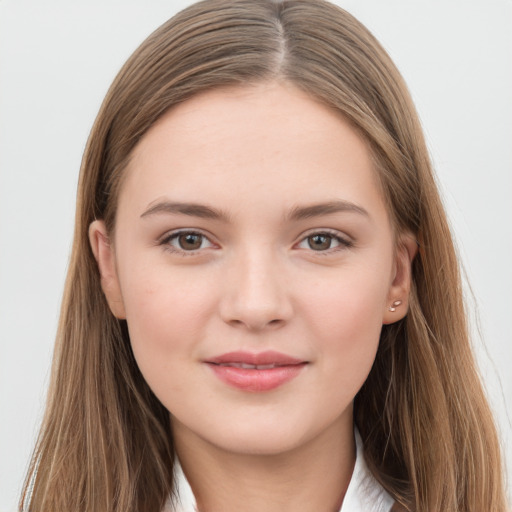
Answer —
(345, 243)
(332, 235)
(165, 241)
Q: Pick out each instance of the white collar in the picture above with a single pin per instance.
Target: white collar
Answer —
(364, 493)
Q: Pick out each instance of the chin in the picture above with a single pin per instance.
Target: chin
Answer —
(259, 442)
(271, 435)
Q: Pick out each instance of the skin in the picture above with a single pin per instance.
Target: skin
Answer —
(256, 154)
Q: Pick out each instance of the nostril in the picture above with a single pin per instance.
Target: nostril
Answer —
(255, 325)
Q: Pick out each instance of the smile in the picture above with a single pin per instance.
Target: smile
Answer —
(256, 372)
(247, 366)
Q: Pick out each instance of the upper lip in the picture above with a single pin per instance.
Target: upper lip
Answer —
(268, 358)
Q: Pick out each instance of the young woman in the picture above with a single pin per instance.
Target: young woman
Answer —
(263, 292)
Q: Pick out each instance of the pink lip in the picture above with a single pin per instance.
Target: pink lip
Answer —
(281, 369)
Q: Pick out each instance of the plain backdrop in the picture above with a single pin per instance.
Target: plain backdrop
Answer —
(57, 59)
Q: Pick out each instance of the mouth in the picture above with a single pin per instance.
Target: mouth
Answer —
(247, 366)
(255, 373)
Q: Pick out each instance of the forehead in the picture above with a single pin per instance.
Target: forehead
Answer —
(268, 141)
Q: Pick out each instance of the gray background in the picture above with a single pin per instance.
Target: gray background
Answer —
(57, 59)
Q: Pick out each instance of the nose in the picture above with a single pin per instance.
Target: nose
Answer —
(256, 296)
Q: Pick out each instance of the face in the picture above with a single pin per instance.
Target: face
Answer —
(254, 261)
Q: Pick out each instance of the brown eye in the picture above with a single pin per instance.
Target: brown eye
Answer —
(319, 242)
(190, 241)
(326, 242)
(187, 242)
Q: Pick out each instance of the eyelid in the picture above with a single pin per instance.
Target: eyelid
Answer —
(345, 241)
(169, 235)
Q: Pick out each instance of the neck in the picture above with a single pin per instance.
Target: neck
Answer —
(311, 478)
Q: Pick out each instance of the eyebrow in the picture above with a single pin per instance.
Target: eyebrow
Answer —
(328, 208)
(192, 209)
(297, 213)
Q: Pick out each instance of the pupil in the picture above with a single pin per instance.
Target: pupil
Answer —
(190, 241)
(319, 242)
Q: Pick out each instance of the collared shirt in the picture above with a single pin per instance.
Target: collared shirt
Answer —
(364, 493)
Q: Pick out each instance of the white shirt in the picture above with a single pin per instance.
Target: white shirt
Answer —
(364, 493)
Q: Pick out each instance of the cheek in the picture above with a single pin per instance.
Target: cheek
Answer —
(346, 322)
(351, 301)
(165, 315)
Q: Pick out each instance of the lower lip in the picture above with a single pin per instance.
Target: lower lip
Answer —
(257, 381)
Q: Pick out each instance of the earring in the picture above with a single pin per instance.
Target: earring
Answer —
(395, 304)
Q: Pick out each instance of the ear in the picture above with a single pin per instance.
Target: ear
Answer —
(397, 303)
(104, 253)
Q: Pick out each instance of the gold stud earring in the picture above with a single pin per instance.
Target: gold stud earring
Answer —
(395, 304)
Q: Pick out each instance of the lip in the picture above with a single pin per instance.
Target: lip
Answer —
(256, 372)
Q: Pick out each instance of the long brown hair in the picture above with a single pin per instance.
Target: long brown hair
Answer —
(105, 443)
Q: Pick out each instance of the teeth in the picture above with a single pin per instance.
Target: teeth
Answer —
(247, 366)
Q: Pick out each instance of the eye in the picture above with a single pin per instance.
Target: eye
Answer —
(323, 241)
(186, 241)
